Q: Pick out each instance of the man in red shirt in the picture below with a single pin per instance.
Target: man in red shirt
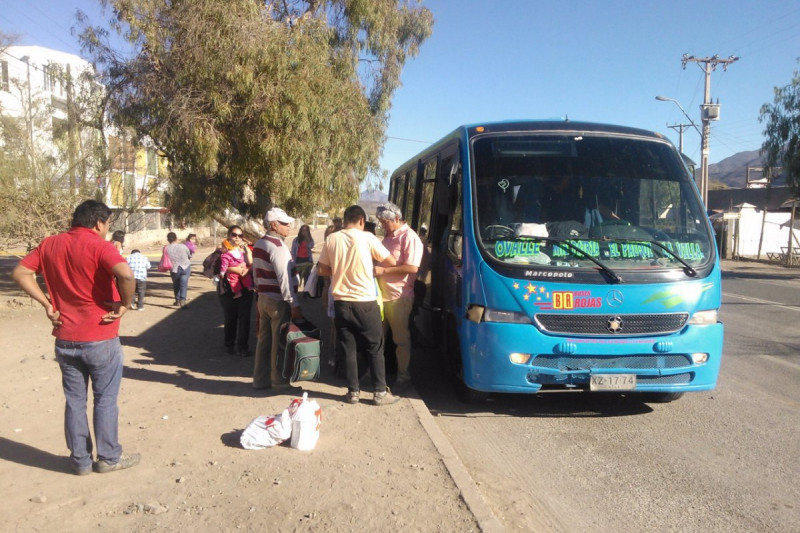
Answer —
(85, 304)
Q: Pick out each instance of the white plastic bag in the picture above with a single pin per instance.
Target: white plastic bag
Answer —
(266, 431)
(306, 418)
(313, 287)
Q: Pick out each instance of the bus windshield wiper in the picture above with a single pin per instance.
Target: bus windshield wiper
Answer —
(687, 268)
(615, 278)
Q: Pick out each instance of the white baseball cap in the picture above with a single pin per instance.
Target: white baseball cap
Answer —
(276, 214)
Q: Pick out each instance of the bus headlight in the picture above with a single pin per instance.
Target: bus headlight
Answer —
(512, 317)
(519, 358)
(704, 318)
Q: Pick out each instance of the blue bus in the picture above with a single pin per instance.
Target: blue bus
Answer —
(564, 255)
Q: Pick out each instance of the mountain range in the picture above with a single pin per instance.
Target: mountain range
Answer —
(732, 171)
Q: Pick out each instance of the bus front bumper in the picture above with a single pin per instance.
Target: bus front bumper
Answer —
(659, 363)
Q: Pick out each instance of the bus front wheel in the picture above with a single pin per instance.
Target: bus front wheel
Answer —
(661, 397)
(468, 395)
(452, 352)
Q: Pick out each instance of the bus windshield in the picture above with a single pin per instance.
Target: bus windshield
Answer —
(583, 200)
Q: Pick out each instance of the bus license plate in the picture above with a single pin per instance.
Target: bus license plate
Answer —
(612, 382)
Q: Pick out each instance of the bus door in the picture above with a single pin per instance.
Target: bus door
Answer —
(439, 280)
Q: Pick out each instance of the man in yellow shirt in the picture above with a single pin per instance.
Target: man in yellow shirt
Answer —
(347, 257)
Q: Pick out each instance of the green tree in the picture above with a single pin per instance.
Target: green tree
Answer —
(258, 103)
(782, 144)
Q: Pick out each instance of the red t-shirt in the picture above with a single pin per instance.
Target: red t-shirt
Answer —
(77, 268)
(302, 250)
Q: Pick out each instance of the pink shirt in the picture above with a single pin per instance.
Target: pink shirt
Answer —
(406, 247)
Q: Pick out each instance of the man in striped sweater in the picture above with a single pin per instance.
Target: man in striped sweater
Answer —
(276, 284)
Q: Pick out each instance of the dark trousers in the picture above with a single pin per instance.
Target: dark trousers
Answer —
(237, 319)
(359, 326)
(141, 286)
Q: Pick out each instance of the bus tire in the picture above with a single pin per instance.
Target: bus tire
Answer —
(661, 397)
(452, 351)
(468, 395)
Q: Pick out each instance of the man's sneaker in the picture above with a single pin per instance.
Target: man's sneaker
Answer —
(352, 397)
(81, 470)
(126, 460)
(385, 398)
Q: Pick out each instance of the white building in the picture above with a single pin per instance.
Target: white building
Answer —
(37, 86)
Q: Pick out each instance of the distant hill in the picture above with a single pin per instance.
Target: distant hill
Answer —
(370, 200)
(373, 196)
(732, 171)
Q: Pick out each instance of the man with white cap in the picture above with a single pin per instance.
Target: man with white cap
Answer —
(276, 284)
(397, 284)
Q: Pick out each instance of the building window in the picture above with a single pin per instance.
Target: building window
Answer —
(50, 77)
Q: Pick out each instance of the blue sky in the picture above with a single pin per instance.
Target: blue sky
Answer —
(594, 60)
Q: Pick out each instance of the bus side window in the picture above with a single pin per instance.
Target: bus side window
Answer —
(455, 230)
(426, 201)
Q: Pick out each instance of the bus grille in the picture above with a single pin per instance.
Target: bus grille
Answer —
(588, 362)
(575, 324)
(677, 379)
(582, 379)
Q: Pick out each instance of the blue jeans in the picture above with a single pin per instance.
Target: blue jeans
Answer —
(180, 282)
(102, 362)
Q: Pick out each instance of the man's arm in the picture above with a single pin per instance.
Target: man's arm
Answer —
(380, 270)
(26, 279)
(324, 270)
(126, 284)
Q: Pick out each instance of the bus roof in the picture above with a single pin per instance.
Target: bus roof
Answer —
(546, 125)
(558, 125)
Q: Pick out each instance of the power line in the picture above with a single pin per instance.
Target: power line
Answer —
(408, 140)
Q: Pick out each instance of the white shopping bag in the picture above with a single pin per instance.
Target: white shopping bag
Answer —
(266, 431)
(306, 419)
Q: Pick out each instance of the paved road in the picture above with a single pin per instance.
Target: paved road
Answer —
(724, 460)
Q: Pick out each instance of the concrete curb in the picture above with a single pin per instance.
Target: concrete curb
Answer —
(487, 522)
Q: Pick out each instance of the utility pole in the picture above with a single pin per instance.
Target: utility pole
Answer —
(708, 110)
(29, 117)
(679, 128)
(71, 119)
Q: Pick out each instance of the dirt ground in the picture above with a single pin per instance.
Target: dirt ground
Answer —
(183, 405)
